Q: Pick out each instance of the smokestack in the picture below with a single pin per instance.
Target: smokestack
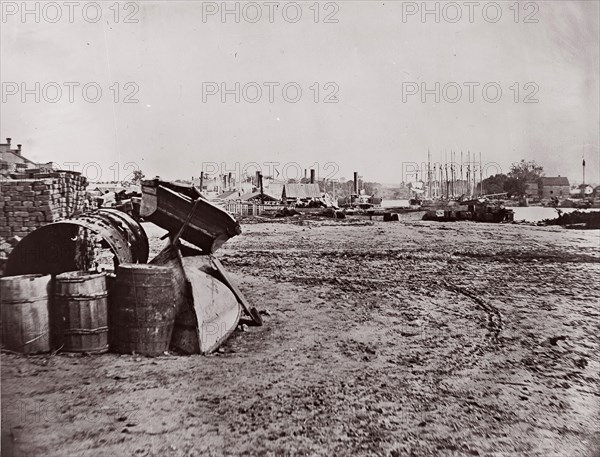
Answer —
(312, 176)
(262, 194)
(8, 140)
(229, 181)
(356, 182)
(305, 175)
(258, 179)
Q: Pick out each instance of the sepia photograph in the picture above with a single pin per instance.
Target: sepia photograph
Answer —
(300, 228)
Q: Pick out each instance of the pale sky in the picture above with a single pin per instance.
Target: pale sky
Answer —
(370, 55)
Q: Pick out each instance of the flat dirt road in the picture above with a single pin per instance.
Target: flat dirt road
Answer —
(384, 339)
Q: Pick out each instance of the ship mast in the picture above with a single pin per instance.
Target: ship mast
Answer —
(583, 186)
(428, 173)
(469, 174)
(462, 181)
(480, 174)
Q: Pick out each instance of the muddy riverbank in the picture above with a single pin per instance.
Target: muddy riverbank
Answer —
(382, 339)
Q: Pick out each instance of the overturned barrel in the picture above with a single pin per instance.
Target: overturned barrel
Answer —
(80, 304)
(52, 249)
(142, 309)
(24, 312)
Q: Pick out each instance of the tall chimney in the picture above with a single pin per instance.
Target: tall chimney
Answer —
(305, 175)
(356, 182)
(258, 179)
(8, 140)
(229, 181)
(312, 176)
(262, 194)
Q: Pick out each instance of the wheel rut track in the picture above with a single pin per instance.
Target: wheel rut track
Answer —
(494, 317)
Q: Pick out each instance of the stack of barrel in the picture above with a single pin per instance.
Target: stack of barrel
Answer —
(130, 312)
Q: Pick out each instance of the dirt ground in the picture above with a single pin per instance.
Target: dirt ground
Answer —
(384, 339)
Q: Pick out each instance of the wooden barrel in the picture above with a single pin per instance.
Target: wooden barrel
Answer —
(24, 311)
(80, 302)
(142, 309)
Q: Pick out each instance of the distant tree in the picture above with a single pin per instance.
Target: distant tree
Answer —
(371, 188)
(292, 181)
(138, 176)
(528, 171)
(495, 184)
(520, 173)
(349, 187)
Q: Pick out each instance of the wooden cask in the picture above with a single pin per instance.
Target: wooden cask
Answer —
(24, 312)
(142, 309)
(80, 301)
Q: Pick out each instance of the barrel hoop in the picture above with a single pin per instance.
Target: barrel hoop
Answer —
(35, 339)
(140, 327)
(25, 300)
(67, 280)
(80, 297)
(85, 331)
(90, 351)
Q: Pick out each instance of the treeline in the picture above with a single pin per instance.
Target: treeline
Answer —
(515, 182)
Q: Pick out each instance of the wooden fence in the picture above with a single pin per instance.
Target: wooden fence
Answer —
(249, 209)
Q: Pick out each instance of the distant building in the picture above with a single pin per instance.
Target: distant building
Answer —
(554, 187)
(104, 188)
(274, 188)
(12, 160)
(532, 189)
(582, 190)
(257, 197)
(303, 193)
(229, 195)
